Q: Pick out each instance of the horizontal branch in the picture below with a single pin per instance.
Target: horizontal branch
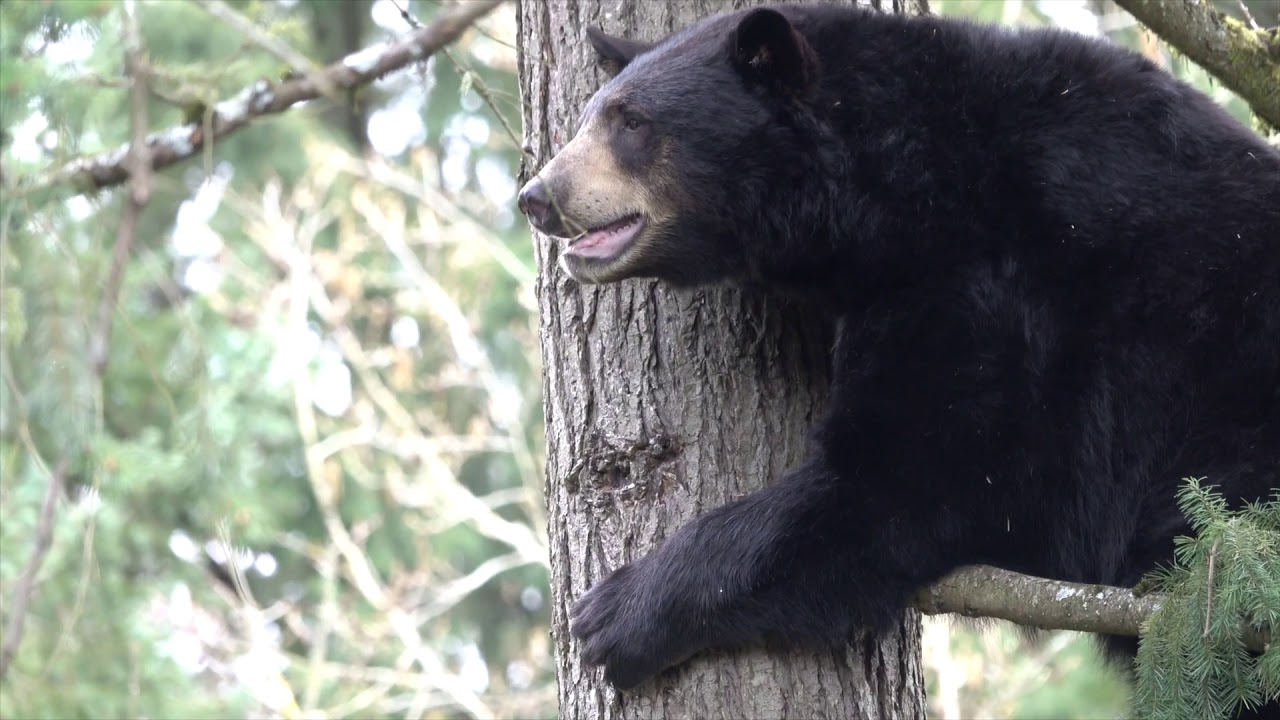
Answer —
(268, 98)
(1245, 59)
(983, 591)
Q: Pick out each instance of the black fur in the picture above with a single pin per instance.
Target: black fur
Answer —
(1058, 271)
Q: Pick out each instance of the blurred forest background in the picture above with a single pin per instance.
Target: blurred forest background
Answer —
(305, 480)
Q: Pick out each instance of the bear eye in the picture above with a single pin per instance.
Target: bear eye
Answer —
(634, 122)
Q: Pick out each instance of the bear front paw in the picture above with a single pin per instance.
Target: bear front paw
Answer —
(629, 624)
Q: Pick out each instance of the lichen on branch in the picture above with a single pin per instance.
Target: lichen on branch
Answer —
(1245, 59)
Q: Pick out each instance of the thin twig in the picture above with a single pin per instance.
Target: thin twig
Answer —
(138, 166)
(406, 16)
(414, 22)
(27, 581)
(301, 64)
(477, 83)
(1208, 603)
(1248, 16)
(327, 568)
(486, 95)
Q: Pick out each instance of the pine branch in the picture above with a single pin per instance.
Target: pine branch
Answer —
(982, 591)
(1245, 59)
(268, 98)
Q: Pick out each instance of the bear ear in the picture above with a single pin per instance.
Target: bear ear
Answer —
(614, 53)
(767, 49)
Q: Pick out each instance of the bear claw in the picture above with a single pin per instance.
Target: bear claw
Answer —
(619, 627)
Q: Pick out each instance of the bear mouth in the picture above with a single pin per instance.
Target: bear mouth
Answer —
(607, 241)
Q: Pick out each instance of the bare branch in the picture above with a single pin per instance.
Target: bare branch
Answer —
(1248, 16)
(1208, 605)
(137, 162)
(27, 581)
(982, 591)
(1245, 59)
(268, 98)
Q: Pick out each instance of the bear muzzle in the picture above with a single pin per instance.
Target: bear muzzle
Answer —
(535, 202)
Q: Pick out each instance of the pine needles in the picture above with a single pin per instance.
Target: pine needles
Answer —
(1222, 596)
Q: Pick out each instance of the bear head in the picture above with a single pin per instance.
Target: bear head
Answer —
(677, 155)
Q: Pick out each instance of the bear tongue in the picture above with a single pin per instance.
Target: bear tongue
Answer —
(606, 242)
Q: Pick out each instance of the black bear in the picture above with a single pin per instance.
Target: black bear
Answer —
(1057, 271)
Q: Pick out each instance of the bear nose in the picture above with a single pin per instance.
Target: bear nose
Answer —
(533, 202)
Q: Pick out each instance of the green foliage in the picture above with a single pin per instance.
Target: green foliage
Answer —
(195, 443)
(1224, 584)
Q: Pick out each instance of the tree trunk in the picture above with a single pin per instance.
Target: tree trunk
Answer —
(661, 404)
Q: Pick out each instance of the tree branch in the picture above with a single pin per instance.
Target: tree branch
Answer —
(268, 98)
(26, 586)
(982, 591)
(1245, 59)
(135, 161)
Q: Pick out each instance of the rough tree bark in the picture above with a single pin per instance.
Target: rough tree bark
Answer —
(661, 404)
